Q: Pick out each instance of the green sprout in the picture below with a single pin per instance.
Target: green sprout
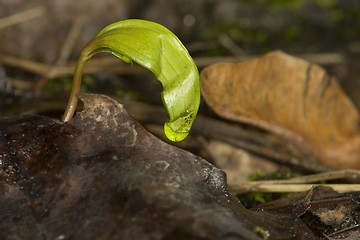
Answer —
(262, 232)
(156, 48)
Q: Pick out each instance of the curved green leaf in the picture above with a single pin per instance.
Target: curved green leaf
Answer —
(159, 50)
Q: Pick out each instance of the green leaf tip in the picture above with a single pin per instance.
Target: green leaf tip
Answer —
(154, 47)
(172, 135)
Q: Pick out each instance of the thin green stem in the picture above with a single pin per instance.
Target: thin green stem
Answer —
(75, 89)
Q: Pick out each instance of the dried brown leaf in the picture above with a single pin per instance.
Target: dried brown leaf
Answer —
(291, 97)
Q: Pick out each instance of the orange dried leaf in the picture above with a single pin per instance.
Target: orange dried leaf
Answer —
(291, 97)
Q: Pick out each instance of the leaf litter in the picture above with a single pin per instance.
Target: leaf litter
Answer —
(85, 179)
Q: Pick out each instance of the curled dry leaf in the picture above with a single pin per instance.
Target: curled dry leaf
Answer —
(291, 97)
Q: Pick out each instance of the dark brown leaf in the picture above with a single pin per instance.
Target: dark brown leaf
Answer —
(103, 176)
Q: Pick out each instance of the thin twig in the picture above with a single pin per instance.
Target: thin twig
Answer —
(28, 65)
(325, 176)
(64, 52)
(255, 142)
(113, 65)
(264, 187)
(69, 43)
(21, 17)
(298, 184)
(109, 65)
(344, 230)
(229, 44)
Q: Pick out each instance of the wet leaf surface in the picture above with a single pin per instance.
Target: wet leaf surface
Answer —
(291, 97)
(103, 176)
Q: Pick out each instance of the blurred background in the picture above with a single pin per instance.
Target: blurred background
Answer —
(255, 26)
(53, 32)
(40, 41)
